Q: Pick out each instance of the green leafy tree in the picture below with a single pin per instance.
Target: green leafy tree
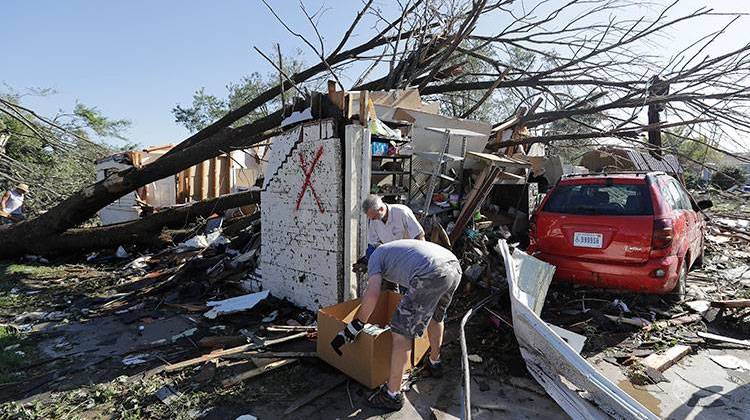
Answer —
(55, 156)
(690, 151)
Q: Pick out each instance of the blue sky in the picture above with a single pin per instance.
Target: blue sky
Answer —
(137, 59)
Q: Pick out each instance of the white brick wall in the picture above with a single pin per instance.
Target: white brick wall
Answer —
(302, 251)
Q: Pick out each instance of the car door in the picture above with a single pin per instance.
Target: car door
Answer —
(698, 224)
(687, 214)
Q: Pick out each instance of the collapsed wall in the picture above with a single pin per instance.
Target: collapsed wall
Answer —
(302, 217)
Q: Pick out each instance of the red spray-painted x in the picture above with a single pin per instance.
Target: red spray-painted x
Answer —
(308, 181)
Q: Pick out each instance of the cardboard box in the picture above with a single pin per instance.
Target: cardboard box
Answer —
(368, 359)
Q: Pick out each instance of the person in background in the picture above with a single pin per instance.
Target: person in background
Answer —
(11, 205)
(387, 222)
(431, 275)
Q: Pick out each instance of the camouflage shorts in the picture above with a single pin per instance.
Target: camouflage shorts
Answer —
(428, 297)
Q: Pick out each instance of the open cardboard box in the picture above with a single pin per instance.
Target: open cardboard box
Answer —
(368, 358)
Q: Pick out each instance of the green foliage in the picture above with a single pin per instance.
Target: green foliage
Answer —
(728, 176)
(207, 108)
(101, 125)
(18, 352)
(55, 156)
(690, 151)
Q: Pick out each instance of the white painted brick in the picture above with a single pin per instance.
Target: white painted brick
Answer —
(302, 252)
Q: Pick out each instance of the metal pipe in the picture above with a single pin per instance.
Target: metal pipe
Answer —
(466, 403)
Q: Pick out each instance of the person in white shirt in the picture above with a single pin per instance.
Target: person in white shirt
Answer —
(389, 222)
(12, 204)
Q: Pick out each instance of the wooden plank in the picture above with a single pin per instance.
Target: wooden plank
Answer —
(662, 361)
(234, 380)
(225, 175)
(190, 182)
(732, 303)
(291, 328)
(723, 339)
(213, 178)
(277, 355)
(234, 350)
(201, 181)
(636, 322)
(364, 97)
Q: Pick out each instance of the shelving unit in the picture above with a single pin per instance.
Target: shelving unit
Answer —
(401, 179)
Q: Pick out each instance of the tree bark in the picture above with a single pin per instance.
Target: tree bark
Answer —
(81, 206)
(144, 231)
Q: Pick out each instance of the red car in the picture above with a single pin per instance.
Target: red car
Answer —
(638, 231)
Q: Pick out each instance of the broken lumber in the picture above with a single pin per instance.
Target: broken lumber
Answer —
(278, 355)
(723, 339)
(234, 350)
(636, 322)
(663, 361)
(234, 380)
(285, 328)
(732, 303)
(685, 319)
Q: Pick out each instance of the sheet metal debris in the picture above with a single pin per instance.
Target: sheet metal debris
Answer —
(235, 304)
(579, 389)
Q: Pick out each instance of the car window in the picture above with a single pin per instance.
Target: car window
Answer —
(686, 202)
(679, 197)
(662, 184)
(616, 200)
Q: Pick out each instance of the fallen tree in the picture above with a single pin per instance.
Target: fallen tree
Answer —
(146, 231)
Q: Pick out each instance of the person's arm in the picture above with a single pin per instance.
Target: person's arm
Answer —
(413, 228)
(367, 305)
(370, 298)
(4, 201)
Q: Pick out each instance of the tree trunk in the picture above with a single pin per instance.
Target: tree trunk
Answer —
(81, 206)
(144, 231)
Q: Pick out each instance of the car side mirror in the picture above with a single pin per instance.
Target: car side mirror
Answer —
(705, 204)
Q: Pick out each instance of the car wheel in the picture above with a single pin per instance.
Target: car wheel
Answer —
(680, 289)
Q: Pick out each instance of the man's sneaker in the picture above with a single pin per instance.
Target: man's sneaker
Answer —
(435, 369)
(382, 400)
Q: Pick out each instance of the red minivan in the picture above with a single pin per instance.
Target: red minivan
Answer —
(638, 231)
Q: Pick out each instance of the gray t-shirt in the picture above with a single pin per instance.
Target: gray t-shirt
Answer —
(400, 261)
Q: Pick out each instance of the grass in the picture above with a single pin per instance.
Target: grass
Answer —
(11, 361)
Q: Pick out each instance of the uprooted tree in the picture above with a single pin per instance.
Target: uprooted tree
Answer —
(569, 73)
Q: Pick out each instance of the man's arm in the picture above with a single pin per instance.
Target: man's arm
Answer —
(413, 228)
(4, 201)
(370, 298)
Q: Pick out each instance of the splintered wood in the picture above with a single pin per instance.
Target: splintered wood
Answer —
(663, 361)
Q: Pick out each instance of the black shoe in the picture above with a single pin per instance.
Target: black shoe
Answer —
(436, 369)
(382, 400)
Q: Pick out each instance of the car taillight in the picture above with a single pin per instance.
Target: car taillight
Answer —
(663, 234)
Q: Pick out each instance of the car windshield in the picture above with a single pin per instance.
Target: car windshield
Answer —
(599, 199)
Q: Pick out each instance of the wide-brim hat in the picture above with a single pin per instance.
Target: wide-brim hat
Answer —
(23, 187)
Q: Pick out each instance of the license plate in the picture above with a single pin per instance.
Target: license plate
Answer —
(587, 240)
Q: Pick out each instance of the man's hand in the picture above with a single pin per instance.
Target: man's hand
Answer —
(347, 335)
